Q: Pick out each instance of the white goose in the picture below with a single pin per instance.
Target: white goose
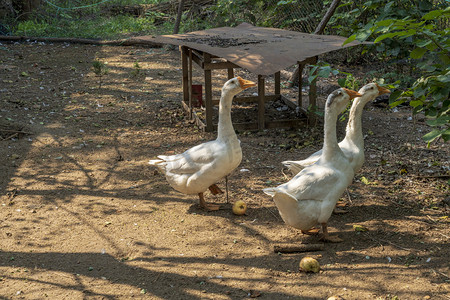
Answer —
(353, 143)
(309, 197)
(200, 167)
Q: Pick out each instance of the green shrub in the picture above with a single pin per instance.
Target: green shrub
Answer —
(427, 42)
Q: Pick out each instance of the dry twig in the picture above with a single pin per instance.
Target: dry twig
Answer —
(297, 248)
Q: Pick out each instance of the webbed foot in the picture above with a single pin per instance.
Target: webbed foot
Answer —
(328, 238)
(331, 239)
(312, 231)
(207, 206)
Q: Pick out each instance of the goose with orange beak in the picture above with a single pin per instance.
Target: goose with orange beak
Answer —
(199, 168)
(353, 143)
(309, 197)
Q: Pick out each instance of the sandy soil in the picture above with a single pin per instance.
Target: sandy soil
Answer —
(83, 216)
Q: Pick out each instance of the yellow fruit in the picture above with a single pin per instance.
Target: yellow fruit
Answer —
(309, 264)
(239, 207)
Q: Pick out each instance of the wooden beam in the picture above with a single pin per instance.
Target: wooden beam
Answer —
(251, 99)
(291, 123)
(288, 102)
(197, 60)
(219, 65)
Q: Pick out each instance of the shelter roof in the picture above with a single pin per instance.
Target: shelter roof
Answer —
(260, 50)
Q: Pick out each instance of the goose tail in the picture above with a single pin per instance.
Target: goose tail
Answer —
(270, 191)
(293, 166)
(155, 162)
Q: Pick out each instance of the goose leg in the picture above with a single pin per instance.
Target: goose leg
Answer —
(206, 206)
(215, 189)
(327, 238)
(226, 187)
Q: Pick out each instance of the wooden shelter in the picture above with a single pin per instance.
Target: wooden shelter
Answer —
(260, 50)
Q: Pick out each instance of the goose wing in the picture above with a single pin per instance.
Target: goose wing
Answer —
(193, 159)
(314, 183)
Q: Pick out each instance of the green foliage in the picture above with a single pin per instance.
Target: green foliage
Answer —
(279, 14)
(101, 27)
(137, 70)
(324, 70)
(100, 70)
(428, 46)
(232, 13)
(31, 28)
(356, 18)
(349, 81)
(321, 69)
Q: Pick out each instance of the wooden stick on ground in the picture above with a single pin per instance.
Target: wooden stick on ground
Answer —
(289, 248)
(10, 137)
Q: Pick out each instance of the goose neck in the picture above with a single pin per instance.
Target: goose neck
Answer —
(225, 128)
(354, 124)
(330, 144)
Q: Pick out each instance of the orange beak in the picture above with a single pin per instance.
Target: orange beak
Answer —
(382, 90)
(352, 94)
(245, 84)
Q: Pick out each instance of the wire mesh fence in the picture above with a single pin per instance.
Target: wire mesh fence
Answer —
(297, 15)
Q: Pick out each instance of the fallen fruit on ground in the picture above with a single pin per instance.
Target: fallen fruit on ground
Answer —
(239, 207)
(309, 264)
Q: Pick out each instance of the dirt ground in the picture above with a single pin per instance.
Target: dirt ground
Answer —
(83, 215)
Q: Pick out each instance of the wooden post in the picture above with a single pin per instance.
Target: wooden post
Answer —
(190, 83)
(312, 117)
(185, 76)
(261, 102)
(208, 94)
(230, 73)
(300, 68)
(277, 83)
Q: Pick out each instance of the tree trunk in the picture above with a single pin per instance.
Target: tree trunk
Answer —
(178, 20)
(327, 17)
(319, 30)
(25, 8)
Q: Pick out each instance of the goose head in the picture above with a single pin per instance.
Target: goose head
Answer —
(236, 85)
(339, 99)
(373, 90)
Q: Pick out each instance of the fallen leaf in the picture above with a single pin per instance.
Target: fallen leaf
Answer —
(360, 228)
(365, 180)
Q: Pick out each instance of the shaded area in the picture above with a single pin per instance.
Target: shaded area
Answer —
(82, 215)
